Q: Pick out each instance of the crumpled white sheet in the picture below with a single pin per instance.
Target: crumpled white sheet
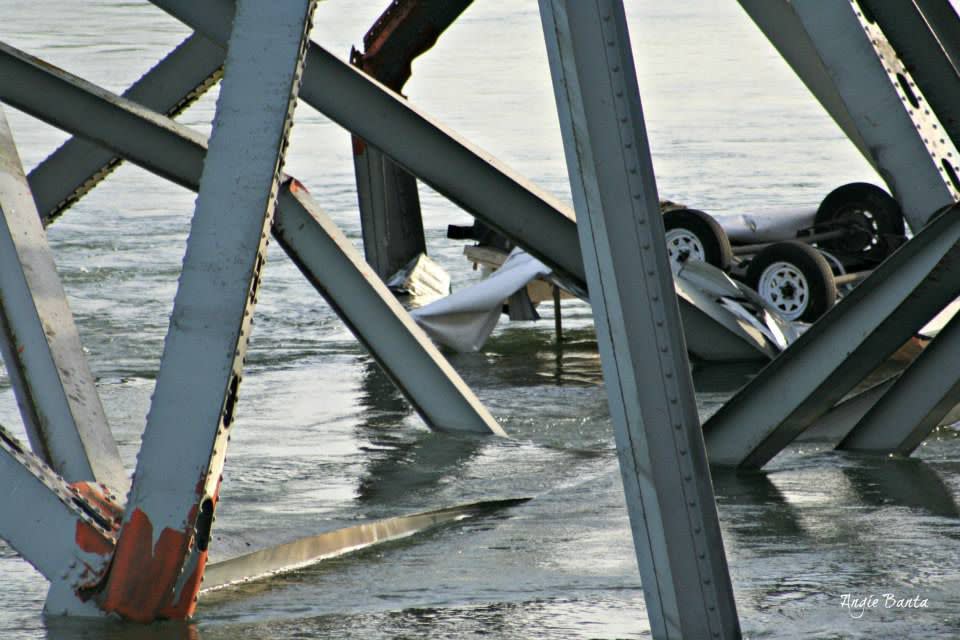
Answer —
(465, 319)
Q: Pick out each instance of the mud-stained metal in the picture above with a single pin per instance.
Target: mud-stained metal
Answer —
(387, 195)
(916, 403)
(176, 153)
(162, 549)
(841, 349)
(663, 462)
(171, 86)
(850, 67)
(41, 349)
(67, 532)
(304, 552)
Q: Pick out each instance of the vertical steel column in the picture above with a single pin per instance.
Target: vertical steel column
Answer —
(162, 550)
(849, 66)
(40, 344)
(387, 194)
(841, 349)
(389, 210)
(662, 457)
(917, 401)
(169, 87)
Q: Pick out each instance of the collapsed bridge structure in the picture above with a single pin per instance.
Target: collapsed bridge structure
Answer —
(889, 74)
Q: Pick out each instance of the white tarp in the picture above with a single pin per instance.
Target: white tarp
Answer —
(465, 319)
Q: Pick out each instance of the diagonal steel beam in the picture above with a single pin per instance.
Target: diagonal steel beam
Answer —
(52, 381)
(469, 177)
(162, 549)
(849, 342)
(850, 67)
(916, 402)
(663, 462)
(54, 527)
(176, 152)
(404, 352)
(171, 86)
(915, 42)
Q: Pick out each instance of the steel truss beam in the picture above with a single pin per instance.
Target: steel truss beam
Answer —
(916, 403)
(54, 527)
(176, 152)
(845, 345)
(162, 549)
(55, 389)
(470, 178)
(941, 18)
(917, 45)
(849, 65)
(659, 442)
(171, 86)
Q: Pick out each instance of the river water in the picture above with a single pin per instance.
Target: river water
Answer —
(324, 441)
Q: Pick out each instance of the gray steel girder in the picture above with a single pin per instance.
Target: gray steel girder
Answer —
(837, 352)
(849, 66)
(176, 152)
(663, 463)
(52, 381)
(935, 73)
(469, 177)
(916, 402)
(171, 86)
(182, 455)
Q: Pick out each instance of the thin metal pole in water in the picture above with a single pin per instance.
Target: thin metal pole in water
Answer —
(663, 460)
(557, 314)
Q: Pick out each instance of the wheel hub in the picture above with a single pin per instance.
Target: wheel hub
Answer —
(683, 245)
(785, 287)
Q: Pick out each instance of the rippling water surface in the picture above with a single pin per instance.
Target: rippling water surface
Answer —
(324, 440)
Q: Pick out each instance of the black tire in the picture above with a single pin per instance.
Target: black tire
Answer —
(710, 236)
(803, 287)
(872, 217)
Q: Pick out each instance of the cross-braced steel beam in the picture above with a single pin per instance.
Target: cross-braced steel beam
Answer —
(916, 43)
(56, 527)
(169, 87)
(176, 152)
(55, 389)
(162, 549)
(650, 392)
(466, 175)
(845, 345)
(849, 65)
(916, 402)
